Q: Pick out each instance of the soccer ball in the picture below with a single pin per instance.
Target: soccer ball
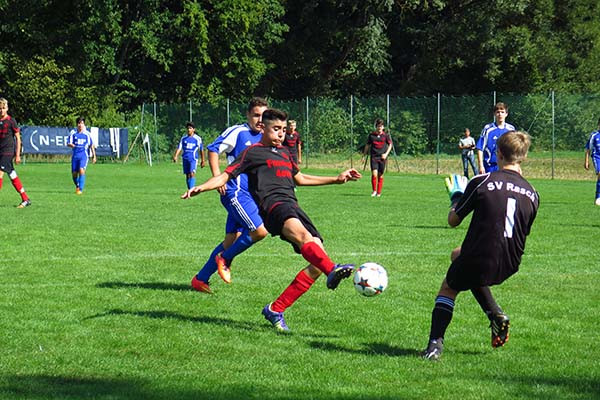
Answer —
(370, 279)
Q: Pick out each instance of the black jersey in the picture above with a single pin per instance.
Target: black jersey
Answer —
(504, 207)
(291, 141)
(379, 143)
(270, 172)
(8, 129)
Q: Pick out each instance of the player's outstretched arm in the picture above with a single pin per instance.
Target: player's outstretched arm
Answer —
(314, 180)
(213, 183)
(586, 163)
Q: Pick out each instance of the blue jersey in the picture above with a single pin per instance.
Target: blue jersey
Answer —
(487, 141)
(593, 144)
(233, 141)
(191, 146)
(82, 142)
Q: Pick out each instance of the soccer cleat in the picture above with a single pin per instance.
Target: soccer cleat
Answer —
(78, 191)
(434, 349)
(597, 202)
(201, 286)
(24, 203)
(373, 194)
(223, 268)
(339, 272)
(378, 194)
(275, 318)
(499, 324)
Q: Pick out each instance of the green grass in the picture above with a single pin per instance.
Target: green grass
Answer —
(95, 300)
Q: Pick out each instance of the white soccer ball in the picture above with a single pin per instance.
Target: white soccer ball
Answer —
(370, 279)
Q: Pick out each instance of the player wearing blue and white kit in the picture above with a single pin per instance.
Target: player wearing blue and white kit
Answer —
(81, 142)
(592, 150)
(486, 145)
(244, 226)
(191, 145)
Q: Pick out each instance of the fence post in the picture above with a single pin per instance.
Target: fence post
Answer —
(155, 137)
(351, 133)
(228, 124)
(437, 156)
(553, 141)
(307, 133)
(191, 117)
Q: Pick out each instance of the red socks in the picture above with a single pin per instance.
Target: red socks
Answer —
(19, 188)
(300, 285)
(314, 254)
(377, 183)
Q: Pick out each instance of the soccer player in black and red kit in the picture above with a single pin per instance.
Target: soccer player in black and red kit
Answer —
(272, 176)
(504, 207)
(380, 145)
(10, 147)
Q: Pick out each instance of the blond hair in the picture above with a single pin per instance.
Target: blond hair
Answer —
(3, 101)
(514, 146)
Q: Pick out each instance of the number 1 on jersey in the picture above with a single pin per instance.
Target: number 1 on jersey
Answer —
(509, 222)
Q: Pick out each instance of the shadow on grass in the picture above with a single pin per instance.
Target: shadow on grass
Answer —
(69, 387)
(185, 318)
(382, 349)
(145, 285)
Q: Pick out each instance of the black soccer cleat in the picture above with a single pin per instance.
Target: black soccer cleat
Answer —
(339, 272)
(434, 349)
(499, 325)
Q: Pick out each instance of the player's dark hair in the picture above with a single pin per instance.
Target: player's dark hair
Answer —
(80, 119)
(514, 146)
(190, 125)
(378, 122)
(501, 105)
(273, 114)
(257, 102)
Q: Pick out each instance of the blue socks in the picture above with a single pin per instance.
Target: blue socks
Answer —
(191, 182)
(81, 182)
(598, 188)
(239, 246)
(211, 266)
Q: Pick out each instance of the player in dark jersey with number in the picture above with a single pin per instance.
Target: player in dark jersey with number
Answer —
(272, 176)
(379, 143)
(10, 147)
(504, 207)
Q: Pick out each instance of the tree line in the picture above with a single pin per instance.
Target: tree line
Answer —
(102, 59)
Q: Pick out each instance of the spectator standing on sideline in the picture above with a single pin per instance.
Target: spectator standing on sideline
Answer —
(592, 150)
(379, 144)
(466, 144)
(191, 145)
(486, 145)
(10, 147)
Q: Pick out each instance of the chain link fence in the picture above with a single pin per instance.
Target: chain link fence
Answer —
(422, 128)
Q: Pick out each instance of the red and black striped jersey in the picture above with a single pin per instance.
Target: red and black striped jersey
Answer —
(8, 129)
(270, 172)
(379, 143)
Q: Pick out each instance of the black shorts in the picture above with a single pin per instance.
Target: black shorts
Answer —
(6, 163)
(466, 274)
(377, 163)
(275, 219)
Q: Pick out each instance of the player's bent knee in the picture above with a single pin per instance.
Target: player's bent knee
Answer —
(455, 253)
(259, 234)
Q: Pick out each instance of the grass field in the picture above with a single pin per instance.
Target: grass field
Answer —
(95, 298)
